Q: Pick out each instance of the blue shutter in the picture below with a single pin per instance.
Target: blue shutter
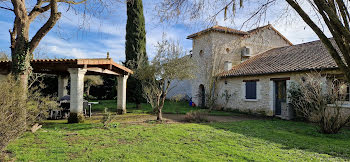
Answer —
(250, 90)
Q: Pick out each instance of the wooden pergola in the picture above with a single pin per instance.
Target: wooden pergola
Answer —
(76, 69)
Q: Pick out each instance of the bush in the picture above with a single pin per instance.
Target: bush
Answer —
(320, 100)
(18, 112)
(12, 112)
(197, 116)
(107, 118)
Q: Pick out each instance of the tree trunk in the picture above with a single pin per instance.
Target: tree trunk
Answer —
(138, 105)
(159, 114)
(160, 107)
(21, 60)
(88, 91)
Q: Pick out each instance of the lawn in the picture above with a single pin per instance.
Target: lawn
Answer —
(170, 107)
(250, 140)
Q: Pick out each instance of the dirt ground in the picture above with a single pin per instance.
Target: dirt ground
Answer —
(172, 118)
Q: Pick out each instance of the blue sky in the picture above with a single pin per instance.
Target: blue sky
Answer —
(74, 38)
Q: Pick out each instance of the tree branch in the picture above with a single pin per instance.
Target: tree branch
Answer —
(54, 16)
(65, 1)
(6, 8)
(334, 19)
(333, 52)
(333, 28)
(38, 10)
(13, 34)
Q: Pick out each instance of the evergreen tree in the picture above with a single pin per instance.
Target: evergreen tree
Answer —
(135, 46)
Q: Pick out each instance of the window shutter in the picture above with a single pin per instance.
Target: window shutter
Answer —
(250, 90)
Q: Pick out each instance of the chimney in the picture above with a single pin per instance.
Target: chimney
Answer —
(228, 65)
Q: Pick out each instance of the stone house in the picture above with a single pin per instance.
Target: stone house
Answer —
(252, 70)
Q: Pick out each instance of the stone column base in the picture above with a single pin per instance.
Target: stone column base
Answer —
(121, 111)
(76, 118)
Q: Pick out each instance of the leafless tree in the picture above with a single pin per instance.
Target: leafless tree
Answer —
(320, 100)
(168, 64)
(25, 12)
(3, 56)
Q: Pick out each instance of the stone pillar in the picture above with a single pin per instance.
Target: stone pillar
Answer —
(62, 86)
(76, 94)
(121, 98)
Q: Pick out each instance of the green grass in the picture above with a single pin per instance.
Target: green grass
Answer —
(252, 140)
(170, 107)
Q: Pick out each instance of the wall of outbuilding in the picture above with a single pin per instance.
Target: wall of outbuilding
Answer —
(235, 88)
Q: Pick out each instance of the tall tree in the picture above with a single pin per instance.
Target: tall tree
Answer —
(135, 47)
(315, 13)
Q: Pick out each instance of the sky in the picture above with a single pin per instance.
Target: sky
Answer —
(93, 37)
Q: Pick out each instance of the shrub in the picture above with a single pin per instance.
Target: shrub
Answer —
(320, 100)
(197, 116)
(18, 112)
(107, 118)
(12, 112)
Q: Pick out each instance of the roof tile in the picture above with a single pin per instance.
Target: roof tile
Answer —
(301, 57)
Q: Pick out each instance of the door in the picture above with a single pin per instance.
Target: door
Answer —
(280, 95)
(202, 95)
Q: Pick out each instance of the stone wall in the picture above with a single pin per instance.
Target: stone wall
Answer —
(264, 104)
(220, 47)
(2, 77)
(235, 87)
(179, 89)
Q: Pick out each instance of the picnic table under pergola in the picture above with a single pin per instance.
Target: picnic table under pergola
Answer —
(76, 69)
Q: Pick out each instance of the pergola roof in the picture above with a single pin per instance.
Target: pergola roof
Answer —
(61, 66)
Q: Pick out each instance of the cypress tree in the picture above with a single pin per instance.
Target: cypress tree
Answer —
(135, 46)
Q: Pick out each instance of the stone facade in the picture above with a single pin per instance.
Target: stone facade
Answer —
(179, 89)
(2, 77)
(212, 49)
(235, 88)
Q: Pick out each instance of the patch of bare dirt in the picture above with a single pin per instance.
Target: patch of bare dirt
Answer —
(174, 118)
(211, 118)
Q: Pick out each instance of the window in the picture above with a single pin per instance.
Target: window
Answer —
(201, 53)
(342, 89)
(250, 90)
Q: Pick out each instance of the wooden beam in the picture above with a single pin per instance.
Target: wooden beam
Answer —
(100, 70)
(277, 79)
(252, 80)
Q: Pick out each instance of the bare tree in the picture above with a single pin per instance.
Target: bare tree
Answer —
(25, 12)
(168, 64)
(320, 100)
(3, 56)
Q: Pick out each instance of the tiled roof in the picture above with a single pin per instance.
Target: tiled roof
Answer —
(244, 34)
(301, 57)
(218, 28)
(70, 62)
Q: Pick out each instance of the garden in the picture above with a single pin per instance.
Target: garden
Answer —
(136, 136)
